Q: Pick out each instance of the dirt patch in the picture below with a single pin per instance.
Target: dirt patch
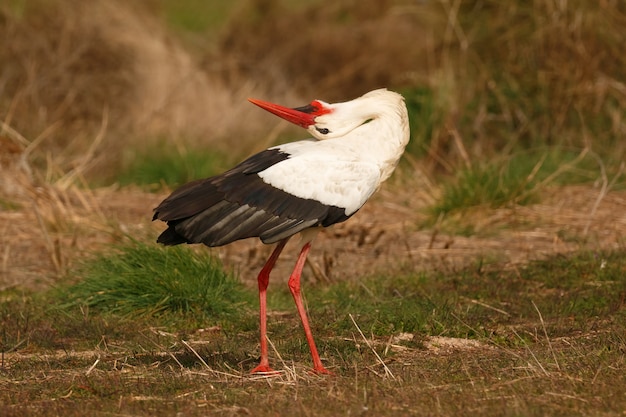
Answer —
(439, 344)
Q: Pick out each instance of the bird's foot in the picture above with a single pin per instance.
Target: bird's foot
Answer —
(320, 370)
(264, 370)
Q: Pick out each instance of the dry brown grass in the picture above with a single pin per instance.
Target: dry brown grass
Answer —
(333, 51)
(502, 75)
(499, 75)
(67, 68)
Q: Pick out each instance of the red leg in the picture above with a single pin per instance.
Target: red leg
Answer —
(294, 287)
(264, 279)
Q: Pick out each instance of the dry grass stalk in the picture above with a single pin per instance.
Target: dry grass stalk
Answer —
(490, 307)
(188, 346)
(388, 373)
(532, 354)
(545, 333)
(92, 367)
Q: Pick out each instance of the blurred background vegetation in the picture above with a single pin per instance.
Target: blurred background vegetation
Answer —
(512, 90)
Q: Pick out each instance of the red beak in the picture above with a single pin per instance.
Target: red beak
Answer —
(298, 116)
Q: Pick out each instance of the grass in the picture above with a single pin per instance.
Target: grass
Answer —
(194, 15)
(470, 76)
(515, 180)
(424, 117)
(537, 87)
(169, 166)
(9, 205)
(149, 279)
(550, 342)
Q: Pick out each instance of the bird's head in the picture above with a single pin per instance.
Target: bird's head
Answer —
(323, 120)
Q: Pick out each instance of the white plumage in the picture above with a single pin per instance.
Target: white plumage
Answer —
(343, 181)
(290, 188)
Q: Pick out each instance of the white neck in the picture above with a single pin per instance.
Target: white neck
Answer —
(385, 136)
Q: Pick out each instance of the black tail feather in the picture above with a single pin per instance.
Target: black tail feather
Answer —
(169, 237)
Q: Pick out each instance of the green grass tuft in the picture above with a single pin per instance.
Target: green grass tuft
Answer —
(491, 184)
(169, 166)
(147, 279)
(514, 180)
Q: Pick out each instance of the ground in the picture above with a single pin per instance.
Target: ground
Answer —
(560, 366)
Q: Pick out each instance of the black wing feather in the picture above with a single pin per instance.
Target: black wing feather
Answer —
(238, 204)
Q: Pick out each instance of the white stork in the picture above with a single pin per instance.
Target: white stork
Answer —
(296, 187)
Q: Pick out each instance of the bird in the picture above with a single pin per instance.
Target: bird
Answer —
(298, 187)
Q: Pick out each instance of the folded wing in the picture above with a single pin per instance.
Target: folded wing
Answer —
(239, 204)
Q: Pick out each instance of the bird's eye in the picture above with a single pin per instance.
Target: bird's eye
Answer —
(323, 130)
